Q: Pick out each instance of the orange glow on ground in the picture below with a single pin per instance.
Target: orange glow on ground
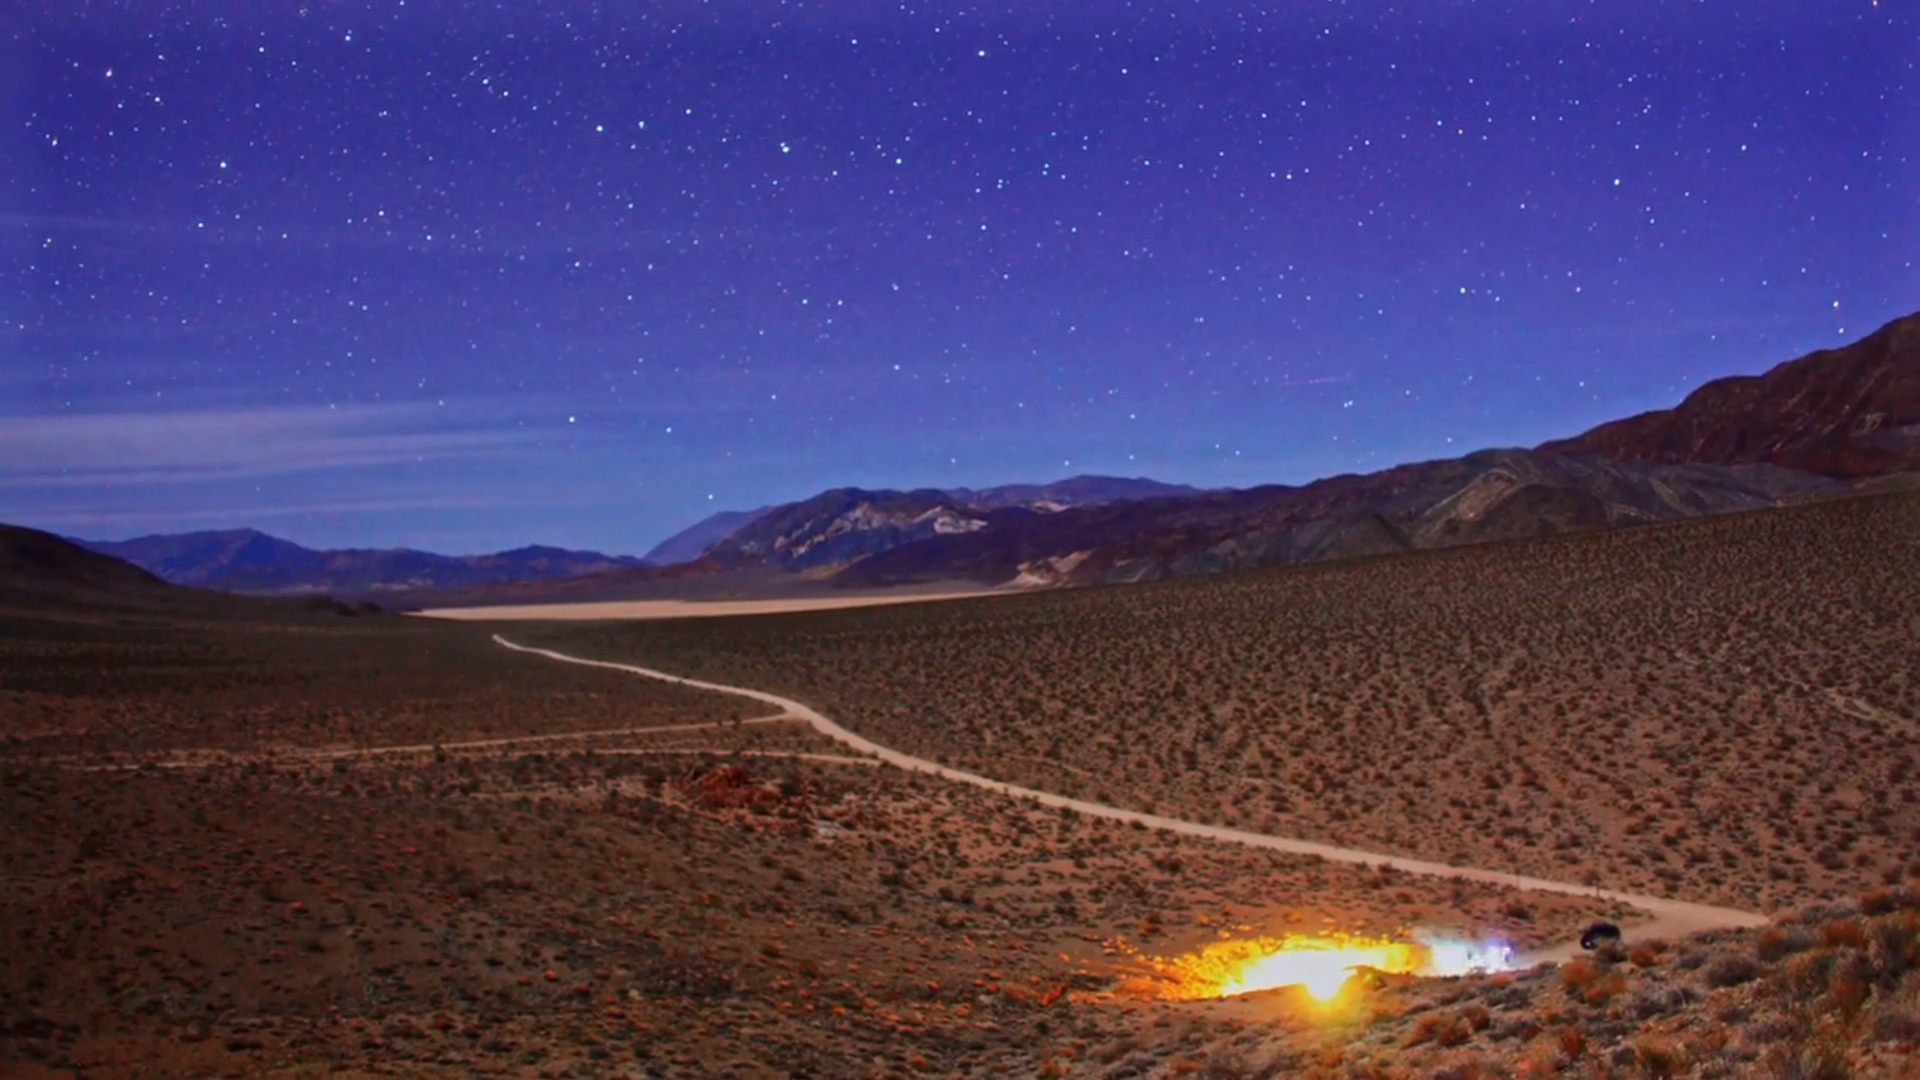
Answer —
(1319, 965)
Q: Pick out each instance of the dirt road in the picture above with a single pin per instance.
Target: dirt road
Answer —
(1671, 918)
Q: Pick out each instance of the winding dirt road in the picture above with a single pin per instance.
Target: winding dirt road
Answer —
(1671, 918)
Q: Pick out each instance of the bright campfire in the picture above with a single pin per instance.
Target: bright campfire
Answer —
(1319, 965)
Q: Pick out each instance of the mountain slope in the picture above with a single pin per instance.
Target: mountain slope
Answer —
(1490, 495)
(687, 544)
(245, 560)
(1081, 490)
(38, 562)
(1847, 412)
(842, 524)
(781, 532)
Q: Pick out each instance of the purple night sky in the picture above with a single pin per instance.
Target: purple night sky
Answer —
(466, 276)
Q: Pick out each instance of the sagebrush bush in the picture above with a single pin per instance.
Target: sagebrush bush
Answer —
(1776, 943)
(1729, 969)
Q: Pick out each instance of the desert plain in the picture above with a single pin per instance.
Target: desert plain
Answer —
(306, 844)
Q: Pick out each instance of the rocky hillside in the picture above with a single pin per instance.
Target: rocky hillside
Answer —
(1848, 412)
(1491, 495)
(846, 523)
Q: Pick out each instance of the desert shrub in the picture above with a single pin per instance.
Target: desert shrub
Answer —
(1894, 948)
(1776, 943)
(1843, 934)
(1807, 976)
(1777, 1026)
(1733, 1013)
(1229, 1063)
(1514, 996)
(1850, 989)
(1453, 1031)
(1469, 1070)
(1729, 969)
(1578, 973)
(1816, 914)
(1659, 1057)
(1447, 1029)
(1516, 1028)
(1899, 1020)
(1656, 1001)
(1424, 1028)
(1818, 1058)
(1604, 989)
(1885, 901)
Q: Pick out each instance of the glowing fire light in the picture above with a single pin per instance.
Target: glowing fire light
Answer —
(1321, 966)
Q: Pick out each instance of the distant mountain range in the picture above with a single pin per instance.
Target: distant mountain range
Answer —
(694, 541)
(249, 561)
(45, 575)
(244, 560)
(1490, 495)
(1832, 422)
(837, 527)
(1826, 424)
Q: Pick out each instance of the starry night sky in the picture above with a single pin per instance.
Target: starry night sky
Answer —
(468, 276)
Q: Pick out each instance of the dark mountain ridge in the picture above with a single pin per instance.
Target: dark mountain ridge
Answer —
(246, 560)
(1826, 424)
(1849, 412)
(35, 561)
(1488, 495)
(779, 532)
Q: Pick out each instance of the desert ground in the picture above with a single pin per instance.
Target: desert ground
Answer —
(622, 610)
(340, 846)
(245, 847)
(1664, 917)
(1723, 710)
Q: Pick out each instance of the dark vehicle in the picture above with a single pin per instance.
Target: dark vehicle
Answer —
(1599, 936)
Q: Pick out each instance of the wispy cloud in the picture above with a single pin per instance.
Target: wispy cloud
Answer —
(73, 449)
(12, 219)
(78, 517)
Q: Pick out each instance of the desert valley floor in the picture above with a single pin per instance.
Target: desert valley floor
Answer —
(300, 844)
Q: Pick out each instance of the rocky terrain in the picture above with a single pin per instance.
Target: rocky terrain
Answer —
(1846, 412)
(1487, 496)
(887, 511)
(239, 846)
(250, 837)
(1720, 710)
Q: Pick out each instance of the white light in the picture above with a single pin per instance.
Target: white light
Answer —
(1448, 957)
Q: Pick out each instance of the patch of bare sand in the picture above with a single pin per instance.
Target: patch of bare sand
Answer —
(689, 609)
